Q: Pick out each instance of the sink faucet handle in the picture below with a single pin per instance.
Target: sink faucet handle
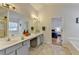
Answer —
(8, 39)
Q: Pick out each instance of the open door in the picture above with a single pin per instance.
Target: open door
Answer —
(57, 28)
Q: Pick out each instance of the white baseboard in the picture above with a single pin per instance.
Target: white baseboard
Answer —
(72, 38)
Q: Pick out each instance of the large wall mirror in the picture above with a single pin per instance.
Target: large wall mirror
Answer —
(17, 23)
(3, 27)
(14, 24)
(3, 22)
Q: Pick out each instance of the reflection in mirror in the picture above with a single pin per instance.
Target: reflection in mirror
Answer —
(13, 26)
(3, 27)
(3, 22)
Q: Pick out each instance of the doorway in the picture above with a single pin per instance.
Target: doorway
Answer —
(56, 30)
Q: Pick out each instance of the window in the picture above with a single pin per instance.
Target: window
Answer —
(13, 26)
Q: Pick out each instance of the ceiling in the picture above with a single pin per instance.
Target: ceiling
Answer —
(38, 6)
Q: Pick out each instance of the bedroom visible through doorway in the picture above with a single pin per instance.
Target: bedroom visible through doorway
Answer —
(56, 30)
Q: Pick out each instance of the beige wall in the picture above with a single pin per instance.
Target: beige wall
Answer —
(68, 12)
(46, 14)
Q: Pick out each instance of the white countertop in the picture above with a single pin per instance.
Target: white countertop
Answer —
(15, 40)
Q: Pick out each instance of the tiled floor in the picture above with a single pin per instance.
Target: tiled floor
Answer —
(50, 49)
(44, 49)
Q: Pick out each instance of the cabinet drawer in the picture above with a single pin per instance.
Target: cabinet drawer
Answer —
(2, 52)
(24, 50)
(27, 43)
(38, 41)
(11, 53)
(13, 48)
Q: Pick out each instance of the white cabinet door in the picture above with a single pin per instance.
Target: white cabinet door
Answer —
(13, 48)
(24, 50)
(41, 38)
(27, 42)
(2, 52)
(38, 41)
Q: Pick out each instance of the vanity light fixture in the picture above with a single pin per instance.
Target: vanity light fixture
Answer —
(7, 5)
(34, 16)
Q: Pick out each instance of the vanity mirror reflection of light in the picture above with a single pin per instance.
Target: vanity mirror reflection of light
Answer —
(3, 22)
(14, 25)
(3, 27)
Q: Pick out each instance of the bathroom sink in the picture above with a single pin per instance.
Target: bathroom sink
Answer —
(12, 40)
(4, 43)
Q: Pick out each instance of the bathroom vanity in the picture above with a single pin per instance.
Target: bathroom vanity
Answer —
(19, 45)
(12, 42)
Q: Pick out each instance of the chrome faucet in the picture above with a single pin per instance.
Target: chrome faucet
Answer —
(8, 39)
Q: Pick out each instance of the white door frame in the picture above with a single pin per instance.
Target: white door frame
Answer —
(62, 31)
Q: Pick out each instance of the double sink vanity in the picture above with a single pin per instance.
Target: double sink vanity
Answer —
(12, 27)
(20, 45)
